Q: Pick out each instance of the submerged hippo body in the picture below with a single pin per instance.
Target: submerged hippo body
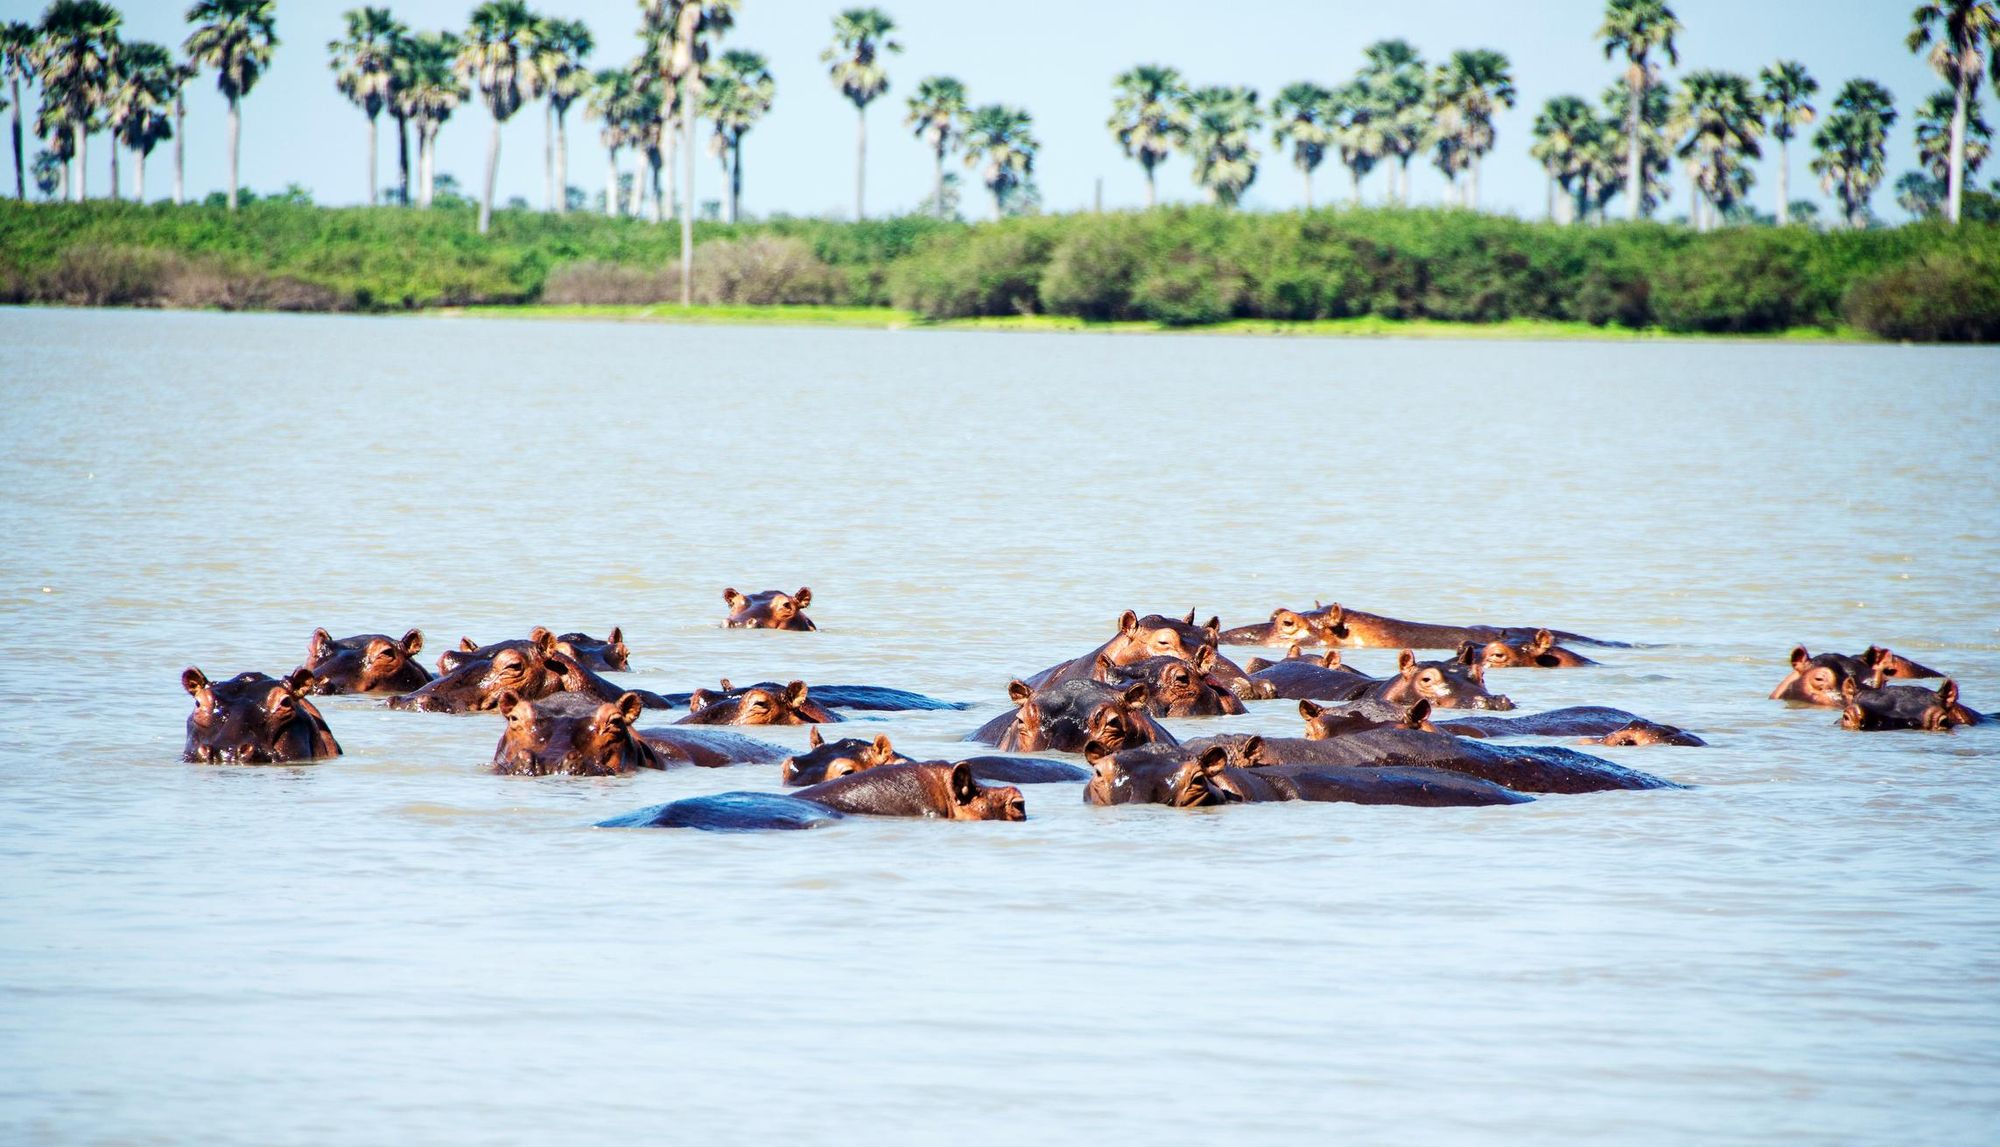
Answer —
(1575, 721)
(1523, 768)
(1352, 628)
(599, 655)
(1143, 638)
(868, 698)
(1067, 716)
(1904, 707)
(730, 812)
(1185, 778)
(711, 748)
(1538, 652)
(1174, 688)
(529, 671)
(1445, 684)
(765, 704)
(772, 609)
(1301, 678)
(826, 760)
(546, 739)
(365, 663)
(253, 718)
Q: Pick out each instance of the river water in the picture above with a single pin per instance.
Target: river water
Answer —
(397, 947)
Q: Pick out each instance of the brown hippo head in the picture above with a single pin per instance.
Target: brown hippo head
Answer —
(1139, 638)
(826, 760)
(767, 703)
(1327, 721)
(772, 609)
(1445, 684)
(919, 789)
(606, 655)
(1903, 707)
(528, 671)
(367, 663)
(253, 718)
(1174, 688)
(1646, 733)
(1150, 774)
(544, 738)
(1817, 679)
(1883, 663)
(1294, 652)
(1067, 716)
(1537, 652)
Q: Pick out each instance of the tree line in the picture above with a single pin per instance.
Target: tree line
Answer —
(1396, 108)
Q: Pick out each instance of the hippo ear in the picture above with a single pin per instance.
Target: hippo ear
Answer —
(964, 790)
(1253, 751)
(629, 707)
(1468, 653)
(726, 686)
(1213, 625)
(320, 645)
(1947, 693)
(467, 645)
(1294, 651)
(413, 642)
(1331, 660)
(1406, 661)
(1136, 695)
(1418, 712)
(1095, 754)
(1849, 687)
(1204, 658)
(804, 597)
(1335, 614)
(1189, 619)
(1103, 669)
(795, 694)
(1476, 670)
(1544, 641)
(1800, 657)
(299, 680)
(1128, 621)
(1213, 760)
(506, 701)
(884, 749)
(541, 638)
(1309, 710)
(617, 636)
(1018, 692)
(194, 681)
(813, 738)
(698, 700)
(735, 600)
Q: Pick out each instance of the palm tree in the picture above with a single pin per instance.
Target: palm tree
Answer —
(695, 23)
(140, 105)
(561, 47)
(1966, 35)
(1149, 117)
(937, 113)
(1357, 133)
(860, 36)
(364, 69)
(1000, 141)
(1722, 119)
(740, 91)
(1655, 157)
(1304, 114)
(1788, 91)
(1850, 146)
(1562, 128)
(75, 58)
(611, 101)
(17, 62)
(1476, 84)
(183, 73)
(1398, 86)
(1638, 28)
(428, 90)
(1918, 193)
(235, 37)
(1934, 123)
(1600, 162)
(1222, 141)
(1446, 134)
(498, 56)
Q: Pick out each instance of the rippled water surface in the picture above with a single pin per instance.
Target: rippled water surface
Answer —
(398, 947)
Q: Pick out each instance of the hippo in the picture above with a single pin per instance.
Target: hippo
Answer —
(772, 609)
(543, 739)
(365, 663)
(872, 698)
(1174, 688)
(1592, 721)
(1300, 678)
(1903, 707)
(1888, 663)
(1344, 717)
(730, 812)
(530, 672)
(1523, 768)
(1445, 684)
(929, 791)
(1351, 628)
(254, 719)
(764, 704)
(1142, 638)
(706, 747)
(608, 655)
(1187, 779)
(1538, 652)
(1817, 679)
(825, 760)
(1066, 716)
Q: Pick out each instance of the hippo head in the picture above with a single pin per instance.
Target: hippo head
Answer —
(544, 739)
(1174, 688)
(1445, 684)
(1068, 716)
(1290, 625)
(606, 655)
(253, 718)
(368, 663)
(1903, 707)
(766, 703)
(1140, 638)
(1885, 663)
(1537, 652)
(538, 639)
(1326, 721)
(826, 760)
(970, 800)
(772, 609)
(1151, 774)
(1295, 652)
(1646, 733)
(1817, 680)
(526, 670)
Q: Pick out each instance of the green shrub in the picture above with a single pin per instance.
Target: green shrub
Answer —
(995, 270)
(1737, 282)
(1091, 273)
(1941, 296)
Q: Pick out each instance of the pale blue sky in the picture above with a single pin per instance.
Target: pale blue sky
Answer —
(1055, 59)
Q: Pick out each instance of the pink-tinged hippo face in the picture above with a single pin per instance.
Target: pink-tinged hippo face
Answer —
(253, 718)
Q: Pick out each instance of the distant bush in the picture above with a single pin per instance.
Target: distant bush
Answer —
(140, 277)
(1738, 282)
(1941, 296)
(985, 271)
(758, 270)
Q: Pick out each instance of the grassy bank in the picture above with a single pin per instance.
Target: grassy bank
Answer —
(1335, 271)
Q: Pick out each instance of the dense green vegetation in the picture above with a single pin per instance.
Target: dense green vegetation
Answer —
(1175, 267)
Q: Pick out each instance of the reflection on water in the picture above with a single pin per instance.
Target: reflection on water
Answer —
(397, 947)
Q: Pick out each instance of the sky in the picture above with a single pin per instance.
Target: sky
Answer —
(1056, 59)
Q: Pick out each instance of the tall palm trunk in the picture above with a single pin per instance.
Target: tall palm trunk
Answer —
(1354, 177)
(562, 165)
(139, 176)
(1472, 186)
(860, 158)
(20, 168)
(235, 140)
(654, 160)
(549, 154)
(1957, 173)
(1309, 188)
(180, 151)
(403, 157)
(427, 135)
(1152, 189)
(687, 192)
(79, 189)
(373, 193)
(1634, 194)
(735, 178)
(937, 183)
(1784, 182)
(1551, 212)
(611, 183)
(728, 200)
(114, 167)
(492, 174)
